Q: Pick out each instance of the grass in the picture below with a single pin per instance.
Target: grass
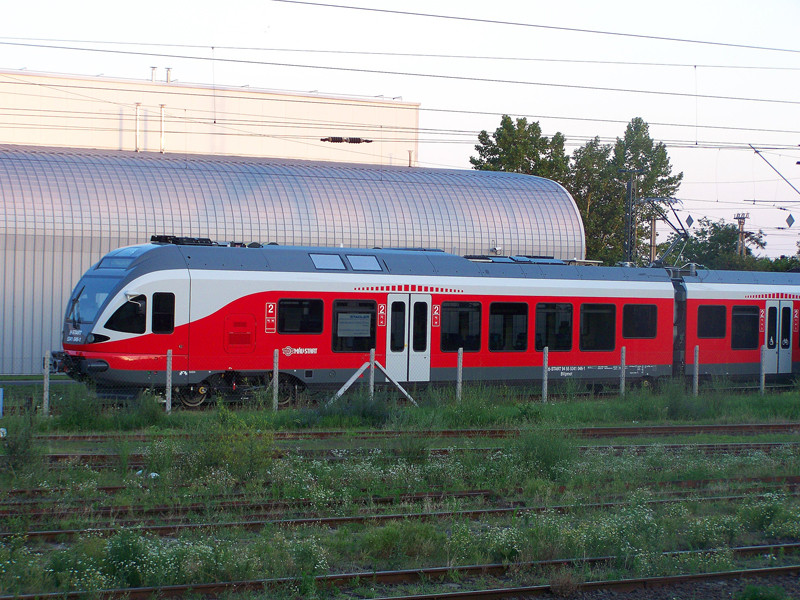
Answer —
(230, 449)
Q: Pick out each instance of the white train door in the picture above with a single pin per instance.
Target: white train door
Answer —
(408, 339)
(778, 337)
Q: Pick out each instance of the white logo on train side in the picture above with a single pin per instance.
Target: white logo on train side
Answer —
(289, 351)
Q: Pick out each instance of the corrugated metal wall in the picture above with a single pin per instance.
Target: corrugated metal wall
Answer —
(63, 209)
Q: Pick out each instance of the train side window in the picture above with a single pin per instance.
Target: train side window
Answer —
(508, 327)
(354, 325)
(131, 317)
(786, 326)
(554, 326)
(419, 341)
(397, 335)
(639, 321)
(711, 322)
(163, 319)
(300, 316)
(772, 327)
(461, 326)
(598, 325)
(744, 328)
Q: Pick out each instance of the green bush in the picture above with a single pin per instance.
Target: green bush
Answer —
(757, 592)
(18, 451)
(545, 452)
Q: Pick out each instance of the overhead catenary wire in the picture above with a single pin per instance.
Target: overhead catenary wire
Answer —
(470, 57)
(541, 26)
(738, 145)
(442, 76)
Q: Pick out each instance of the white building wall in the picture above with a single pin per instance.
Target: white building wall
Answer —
(92, 112)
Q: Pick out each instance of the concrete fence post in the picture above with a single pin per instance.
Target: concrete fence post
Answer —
(275, 380)
(545, 368)
(459, 374)
(763, 371)
(622, 372)
(46, 392)
(696, 376)
(168, 394)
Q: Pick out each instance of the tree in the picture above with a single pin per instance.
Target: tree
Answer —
(594, 175)
(637, 152)
(596, 189)
(520, 147)
(714, 244)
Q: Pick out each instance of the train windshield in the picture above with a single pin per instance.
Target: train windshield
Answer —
(89, 297)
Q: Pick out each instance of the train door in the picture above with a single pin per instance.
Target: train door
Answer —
(408, 343)
(778, 337)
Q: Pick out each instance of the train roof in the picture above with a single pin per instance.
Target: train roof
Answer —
(202, 254)
(753, 278)
(168, 252)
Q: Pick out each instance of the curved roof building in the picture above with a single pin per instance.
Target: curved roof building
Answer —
(63, 209)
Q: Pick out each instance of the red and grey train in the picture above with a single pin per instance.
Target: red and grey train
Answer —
(224, 309)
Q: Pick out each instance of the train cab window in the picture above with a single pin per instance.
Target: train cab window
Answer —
(163, 319)
(328, 261)
(461, 326)
(131, 317)
(744, 328)
(300, 316)
(639, 321)
(711, 322)
(354, 325)
(508, 327)
(554, 326)
(598, 324)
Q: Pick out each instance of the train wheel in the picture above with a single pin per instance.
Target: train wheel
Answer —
(289, 389)
(193, 397)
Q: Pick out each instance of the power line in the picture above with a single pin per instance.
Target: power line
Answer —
(422, 75)
(411, 54)
(538, 26)
(182, 92)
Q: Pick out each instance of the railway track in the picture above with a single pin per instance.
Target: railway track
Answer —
(137, 460)
(580, 432)
(428, 574)
(86, 508)
(255, 524)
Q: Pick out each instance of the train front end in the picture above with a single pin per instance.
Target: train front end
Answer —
(123, 316)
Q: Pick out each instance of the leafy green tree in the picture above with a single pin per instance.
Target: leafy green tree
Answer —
(594, 175)
(594, 185)
(520, 147)
(653, 178)
(714, 245)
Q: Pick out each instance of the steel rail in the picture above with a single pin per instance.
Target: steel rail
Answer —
(36, 514)
(337, 521)
(438, 573)
(96, 459)
(581, 432)
(36, 509)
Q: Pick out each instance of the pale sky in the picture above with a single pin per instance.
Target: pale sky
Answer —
(489, 58)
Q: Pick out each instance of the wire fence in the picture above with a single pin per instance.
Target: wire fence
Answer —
(278, 383)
